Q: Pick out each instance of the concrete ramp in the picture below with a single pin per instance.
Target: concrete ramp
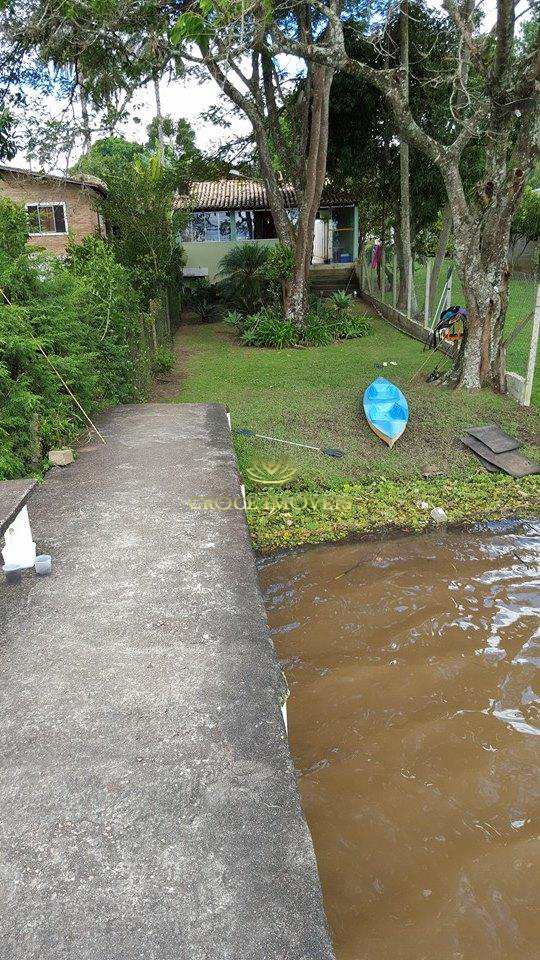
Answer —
(148, 803)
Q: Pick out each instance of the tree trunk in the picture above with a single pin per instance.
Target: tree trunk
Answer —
(296, 294)
(297, 290)
(159, 113)
(484, 280)
(83, 100)
(405, 193)
(398, 254)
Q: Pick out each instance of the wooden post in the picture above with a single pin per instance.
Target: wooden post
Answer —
(394, 280)
(429, 269)
(410, 289)
(448, 300)
(531, 365)
(356, 232)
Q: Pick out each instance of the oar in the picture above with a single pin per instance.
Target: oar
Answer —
(328, 451)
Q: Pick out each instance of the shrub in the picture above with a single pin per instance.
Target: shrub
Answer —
(341, 302)
(163, 360)
(198, 296)
(349, 326)
(84, 319)
(234, 319)
(279, 263)
(317, 331)
(243, 278)
(269, 328)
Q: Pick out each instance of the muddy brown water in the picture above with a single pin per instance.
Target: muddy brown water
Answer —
(414, 726)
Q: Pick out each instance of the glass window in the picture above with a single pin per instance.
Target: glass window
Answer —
(197, 227)
(46, 218)
(343, 232)
(213, 226)
(245, 227)
(264, 225)
(33, 218)
(211, 223)
(225, 226)
(59, 218)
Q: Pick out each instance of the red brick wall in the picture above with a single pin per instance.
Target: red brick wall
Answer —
(81, 212)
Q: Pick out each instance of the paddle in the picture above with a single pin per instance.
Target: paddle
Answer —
(328, 451)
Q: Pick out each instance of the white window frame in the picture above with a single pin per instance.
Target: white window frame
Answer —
(49, 203)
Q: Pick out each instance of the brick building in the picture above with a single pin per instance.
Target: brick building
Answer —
(57, 206)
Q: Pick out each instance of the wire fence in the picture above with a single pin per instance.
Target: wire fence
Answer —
(382, 283)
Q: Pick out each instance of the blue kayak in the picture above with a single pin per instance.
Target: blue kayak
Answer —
(386, 410)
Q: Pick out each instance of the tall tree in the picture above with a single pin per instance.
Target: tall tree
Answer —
(493, 82)
(406, 298)
(291, 132)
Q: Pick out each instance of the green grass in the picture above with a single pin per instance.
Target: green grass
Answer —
(521, 298)
(312, 395)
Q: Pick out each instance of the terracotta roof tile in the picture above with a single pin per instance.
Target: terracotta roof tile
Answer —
(239, 194)
(78, 180)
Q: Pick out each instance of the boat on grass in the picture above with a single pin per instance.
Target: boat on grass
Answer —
(386, 410)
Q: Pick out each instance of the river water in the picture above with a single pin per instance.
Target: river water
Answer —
(414, 724)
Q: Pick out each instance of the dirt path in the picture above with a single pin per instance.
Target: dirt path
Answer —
(168, 387)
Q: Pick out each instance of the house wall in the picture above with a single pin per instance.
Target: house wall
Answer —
(81, 212)
(207, 255)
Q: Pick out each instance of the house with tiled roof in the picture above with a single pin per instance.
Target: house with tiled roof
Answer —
(58, 206)
(223, 213)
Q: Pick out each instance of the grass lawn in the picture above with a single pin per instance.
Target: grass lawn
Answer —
(521, 298)
(313, 396)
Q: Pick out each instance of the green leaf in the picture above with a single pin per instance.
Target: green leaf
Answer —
(189, 27)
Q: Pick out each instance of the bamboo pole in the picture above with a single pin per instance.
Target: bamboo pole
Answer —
(448, 301)
(410, 289)
(531, 364)
(72, 395)
(429, 270)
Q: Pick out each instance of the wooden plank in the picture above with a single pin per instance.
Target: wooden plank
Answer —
(14, 494)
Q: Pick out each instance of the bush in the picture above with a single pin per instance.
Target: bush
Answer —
(163, 360)
(325, 322)
(279, 264)
(269, 328)
(84, 319)
(198, 296)
(243, 278)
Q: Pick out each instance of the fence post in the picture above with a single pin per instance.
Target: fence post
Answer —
(529, 377)
(410, 288)
(448, 301)
(394, 280)
(429, 271)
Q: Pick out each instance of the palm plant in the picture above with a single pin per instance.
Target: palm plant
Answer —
(243, 278)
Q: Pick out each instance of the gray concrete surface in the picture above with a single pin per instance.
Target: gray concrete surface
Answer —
(148, 802)
(14, 494)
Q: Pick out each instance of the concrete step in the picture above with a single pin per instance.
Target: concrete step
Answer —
(324, 281)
